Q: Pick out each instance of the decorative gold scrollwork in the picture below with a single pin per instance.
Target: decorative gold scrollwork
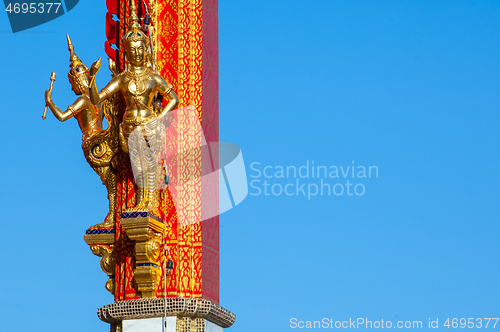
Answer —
(107, 263)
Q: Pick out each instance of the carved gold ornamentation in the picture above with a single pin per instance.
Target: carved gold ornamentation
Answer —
(103, 238)
(147, 272)
(147, 234)
(108, 255)
(100, 151)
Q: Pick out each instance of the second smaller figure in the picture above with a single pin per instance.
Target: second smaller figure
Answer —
(99, 145)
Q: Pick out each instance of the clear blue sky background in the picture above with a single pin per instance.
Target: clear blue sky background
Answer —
(412, 87)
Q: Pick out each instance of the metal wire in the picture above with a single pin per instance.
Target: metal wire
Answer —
(146, 6)
(166, 248)
(150, 38)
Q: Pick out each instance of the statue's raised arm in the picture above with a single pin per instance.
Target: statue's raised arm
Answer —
(107, 92)
(99, 145)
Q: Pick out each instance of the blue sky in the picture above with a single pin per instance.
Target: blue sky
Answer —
(411, 87)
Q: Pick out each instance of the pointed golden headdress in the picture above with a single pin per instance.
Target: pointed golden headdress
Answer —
(134, 32)
(78, 73)
(73, 58)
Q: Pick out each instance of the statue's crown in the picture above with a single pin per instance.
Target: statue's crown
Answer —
(134, 32)
(77, 68)
(73, 58)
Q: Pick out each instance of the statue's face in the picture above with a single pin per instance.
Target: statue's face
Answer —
(75, 87)
(136, 52)
(80, 80)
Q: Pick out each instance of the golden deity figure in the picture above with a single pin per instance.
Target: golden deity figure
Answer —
(161, 256)
(99, 145)
(139, 86)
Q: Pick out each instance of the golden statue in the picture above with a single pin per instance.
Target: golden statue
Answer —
(99, 145)
(139, 86)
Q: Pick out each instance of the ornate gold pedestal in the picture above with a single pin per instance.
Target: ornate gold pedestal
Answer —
(147, 232)
(102, 244)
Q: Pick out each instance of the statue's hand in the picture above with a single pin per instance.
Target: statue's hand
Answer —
(95, 67)
(48, 96)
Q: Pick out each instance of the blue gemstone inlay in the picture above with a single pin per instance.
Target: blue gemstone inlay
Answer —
(100, 231)
(128, 215)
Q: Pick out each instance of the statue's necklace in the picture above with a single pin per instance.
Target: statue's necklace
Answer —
(137, 85)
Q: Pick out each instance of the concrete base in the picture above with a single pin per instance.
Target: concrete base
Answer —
(191, 314)
(174, 324)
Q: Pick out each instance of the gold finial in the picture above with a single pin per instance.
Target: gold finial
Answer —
(133, 21)
(73, 58)
(134, 32)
